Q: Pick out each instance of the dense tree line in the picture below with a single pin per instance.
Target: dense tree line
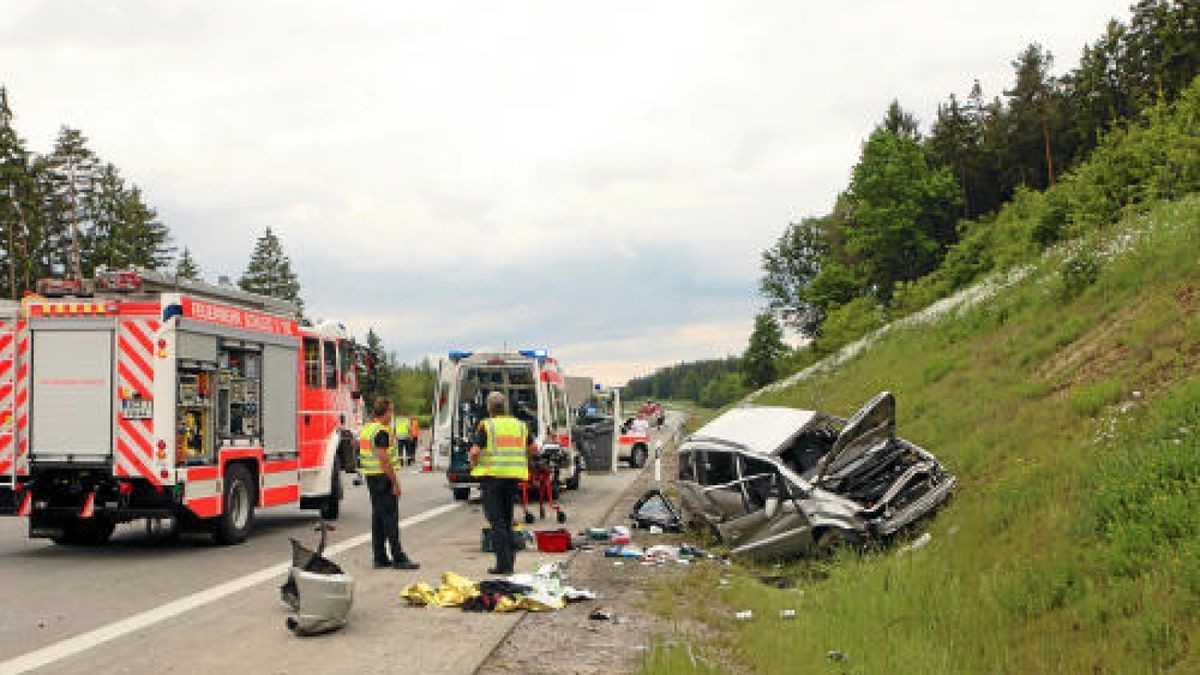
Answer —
(712, 381)
(993, 179)
(68, 212)
(912, 197)
(410, 387)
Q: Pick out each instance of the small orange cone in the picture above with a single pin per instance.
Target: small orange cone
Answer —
(427, 463)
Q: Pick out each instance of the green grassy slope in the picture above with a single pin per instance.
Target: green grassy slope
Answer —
(1069, 408)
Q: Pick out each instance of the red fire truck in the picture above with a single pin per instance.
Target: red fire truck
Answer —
(167, 399)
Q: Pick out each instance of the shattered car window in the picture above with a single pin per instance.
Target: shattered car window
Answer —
(805, 452)
(686, 471)
(722, 488)
(759, 476)
(716, 468)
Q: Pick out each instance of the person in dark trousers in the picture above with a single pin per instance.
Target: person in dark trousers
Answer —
(379, 461)
(500, 460)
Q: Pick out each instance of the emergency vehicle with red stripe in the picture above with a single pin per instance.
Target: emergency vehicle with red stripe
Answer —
(535, 388)
(160, 398)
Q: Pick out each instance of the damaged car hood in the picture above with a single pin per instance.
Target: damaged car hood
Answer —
(874, 423)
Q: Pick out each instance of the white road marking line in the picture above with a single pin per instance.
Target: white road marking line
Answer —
(84, 641)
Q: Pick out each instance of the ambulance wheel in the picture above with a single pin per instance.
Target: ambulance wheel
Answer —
(234, 523)
(333, 503)
(461, 494)
(637, 456)
(91, 532)
(577, 477)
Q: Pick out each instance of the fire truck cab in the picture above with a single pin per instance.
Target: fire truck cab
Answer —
(533, 383)
(168, 399)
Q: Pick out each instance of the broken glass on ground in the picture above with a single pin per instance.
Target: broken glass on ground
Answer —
(654, 509)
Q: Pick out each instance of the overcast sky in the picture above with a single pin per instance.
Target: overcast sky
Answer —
(600, 178)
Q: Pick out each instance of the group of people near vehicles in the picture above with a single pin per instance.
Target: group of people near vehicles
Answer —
(501, 448)
(500, 452)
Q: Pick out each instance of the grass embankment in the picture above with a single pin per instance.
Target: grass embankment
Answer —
(1069, 408)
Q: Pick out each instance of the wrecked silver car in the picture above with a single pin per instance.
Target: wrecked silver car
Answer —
(776, 482)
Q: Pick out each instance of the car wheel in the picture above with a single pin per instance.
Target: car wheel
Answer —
(237, 515)
(333, 503)
(832, 541)
(461, 494)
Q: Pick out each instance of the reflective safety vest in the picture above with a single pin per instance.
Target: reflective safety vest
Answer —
(505, 455)
(368, 462)
(402, 431)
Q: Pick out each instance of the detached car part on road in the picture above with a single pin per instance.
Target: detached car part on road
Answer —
(775, 482)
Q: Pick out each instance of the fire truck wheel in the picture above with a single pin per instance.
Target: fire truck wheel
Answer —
(93, 532)
(333, 503)
(233, 525)
(461, 494)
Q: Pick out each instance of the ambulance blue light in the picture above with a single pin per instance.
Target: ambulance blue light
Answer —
(458, 354)
(539, 353)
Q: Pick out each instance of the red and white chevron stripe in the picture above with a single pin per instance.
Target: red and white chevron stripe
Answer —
(14, 398)
(135, 375)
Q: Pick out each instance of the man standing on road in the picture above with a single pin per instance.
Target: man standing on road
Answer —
(401, 425)
(379, 462)
(500, 454)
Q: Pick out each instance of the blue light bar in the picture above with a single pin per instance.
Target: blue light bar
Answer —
(459, 354)
(539, 353)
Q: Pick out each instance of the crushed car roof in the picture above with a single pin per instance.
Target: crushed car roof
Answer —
(765, 429)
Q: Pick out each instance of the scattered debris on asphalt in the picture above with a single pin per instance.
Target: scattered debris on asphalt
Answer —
(317, 589)
(543, 590)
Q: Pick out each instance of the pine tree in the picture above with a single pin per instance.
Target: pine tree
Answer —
(148, 237)
(1035, 117)
(766, 348)
(270, 272)
(186, 268)
(68, 179)
(378, 378)
(900, 122)
(19, 216)
(124, 230)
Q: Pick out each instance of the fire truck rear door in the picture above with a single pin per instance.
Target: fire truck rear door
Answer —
(72, 395)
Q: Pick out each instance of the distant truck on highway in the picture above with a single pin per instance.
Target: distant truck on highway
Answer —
(536, 389)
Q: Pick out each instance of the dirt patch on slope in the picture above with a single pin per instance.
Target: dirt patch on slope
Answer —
(1093, 356)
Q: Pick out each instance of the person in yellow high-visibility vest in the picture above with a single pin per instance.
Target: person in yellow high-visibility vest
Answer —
(404, 445)
(500, 454)
(379, 462)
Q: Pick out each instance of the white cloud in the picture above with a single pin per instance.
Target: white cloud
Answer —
(605, 173)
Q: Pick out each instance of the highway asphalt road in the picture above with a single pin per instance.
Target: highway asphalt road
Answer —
(146, 603)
